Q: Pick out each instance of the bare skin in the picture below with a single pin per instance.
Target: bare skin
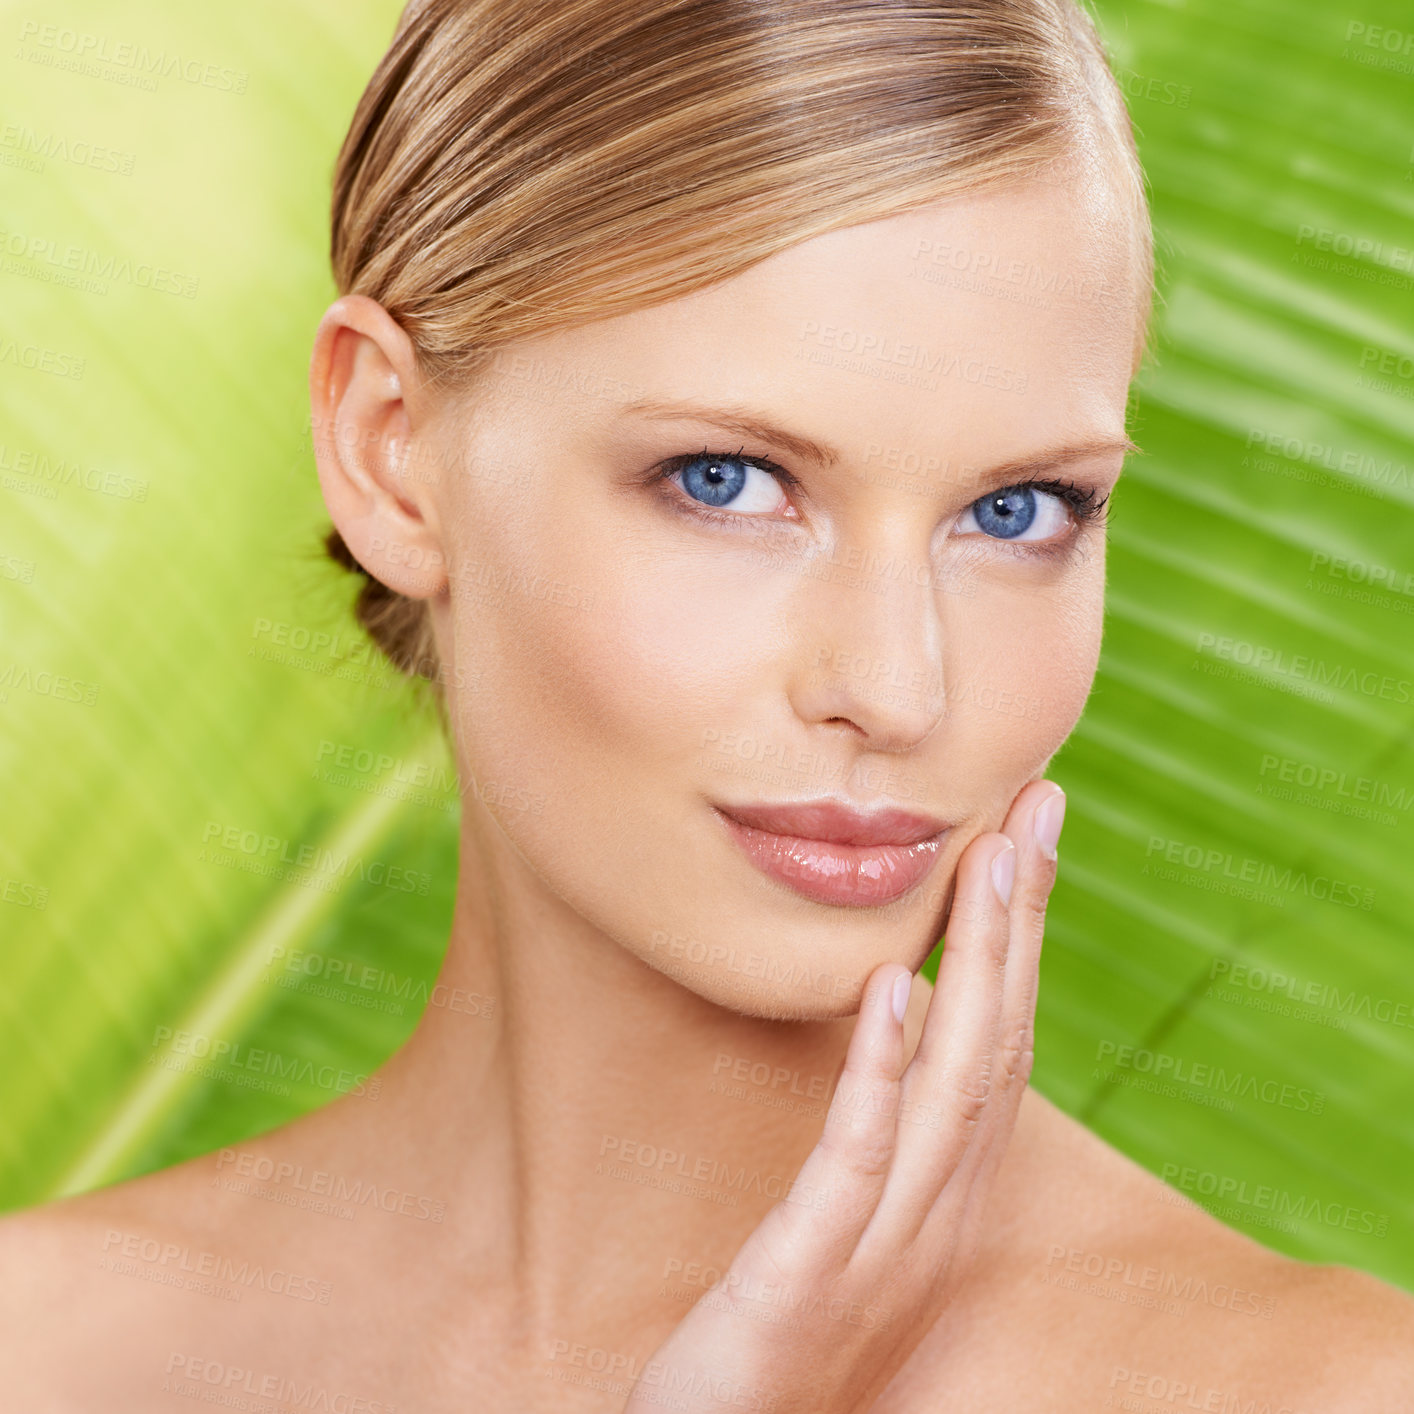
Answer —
(613, 924)
(408, 1326)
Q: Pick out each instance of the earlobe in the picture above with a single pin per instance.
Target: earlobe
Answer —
(366, 448)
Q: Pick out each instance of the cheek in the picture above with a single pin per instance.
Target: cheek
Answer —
(602, 666)
(691, 643)
(600, 714)
(1019, 670)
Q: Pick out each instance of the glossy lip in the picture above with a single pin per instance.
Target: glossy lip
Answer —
(833, 854)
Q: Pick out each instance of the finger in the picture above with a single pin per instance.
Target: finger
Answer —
(817, 1225)
(1033, 824)
(945, 1090)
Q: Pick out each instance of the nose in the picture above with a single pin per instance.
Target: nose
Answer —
(869, 646)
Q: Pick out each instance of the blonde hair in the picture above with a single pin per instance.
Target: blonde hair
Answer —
(510, 171)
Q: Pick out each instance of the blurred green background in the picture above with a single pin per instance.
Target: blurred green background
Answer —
(192, 734)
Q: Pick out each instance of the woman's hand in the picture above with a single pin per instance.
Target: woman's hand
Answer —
(844, 1277)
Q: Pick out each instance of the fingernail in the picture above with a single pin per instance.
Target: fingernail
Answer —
(1047, 825)
(903, 985)
(1004, 873)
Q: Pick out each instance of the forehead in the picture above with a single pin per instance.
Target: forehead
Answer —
(987, 324)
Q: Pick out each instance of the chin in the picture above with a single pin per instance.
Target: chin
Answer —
(810, 964)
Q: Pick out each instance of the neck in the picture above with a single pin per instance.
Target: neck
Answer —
(597, 1128)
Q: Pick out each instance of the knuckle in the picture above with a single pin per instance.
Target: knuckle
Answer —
(780, 1246)
(985, 948)
(999, 942)
(872, 1159)
(1034, 910)
(1017, 1053)
(969, 1097)
(857, 1095)
(1035, 899)
(865, 1156)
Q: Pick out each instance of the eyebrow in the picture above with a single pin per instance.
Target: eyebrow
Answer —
(745, 423)
(737, 420)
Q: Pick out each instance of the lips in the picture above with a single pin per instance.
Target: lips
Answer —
(831, 853)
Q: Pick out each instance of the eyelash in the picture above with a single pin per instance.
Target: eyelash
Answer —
(1085, 502)
(1081, 499)
(710, 516)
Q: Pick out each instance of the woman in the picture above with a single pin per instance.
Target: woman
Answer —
(807, 332)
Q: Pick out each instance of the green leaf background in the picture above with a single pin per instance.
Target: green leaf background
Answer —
(184, 700)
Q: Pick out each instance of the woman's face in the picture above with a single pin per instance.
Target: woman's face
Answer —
(728, 554)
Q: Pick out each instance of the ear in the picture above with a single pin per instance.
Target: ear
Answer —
(367, 450)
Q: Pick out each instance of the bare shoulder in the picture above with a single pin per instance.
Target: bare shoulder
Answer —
(88, 1274)
(53, 1250)
(58, 1295)
(1124, 1294)
(1107, 1246)
(104, 1286)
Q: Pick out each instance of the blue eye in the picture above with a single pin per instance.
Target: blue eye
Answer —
(713, 480)
(1009, 513)
(730, 483)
